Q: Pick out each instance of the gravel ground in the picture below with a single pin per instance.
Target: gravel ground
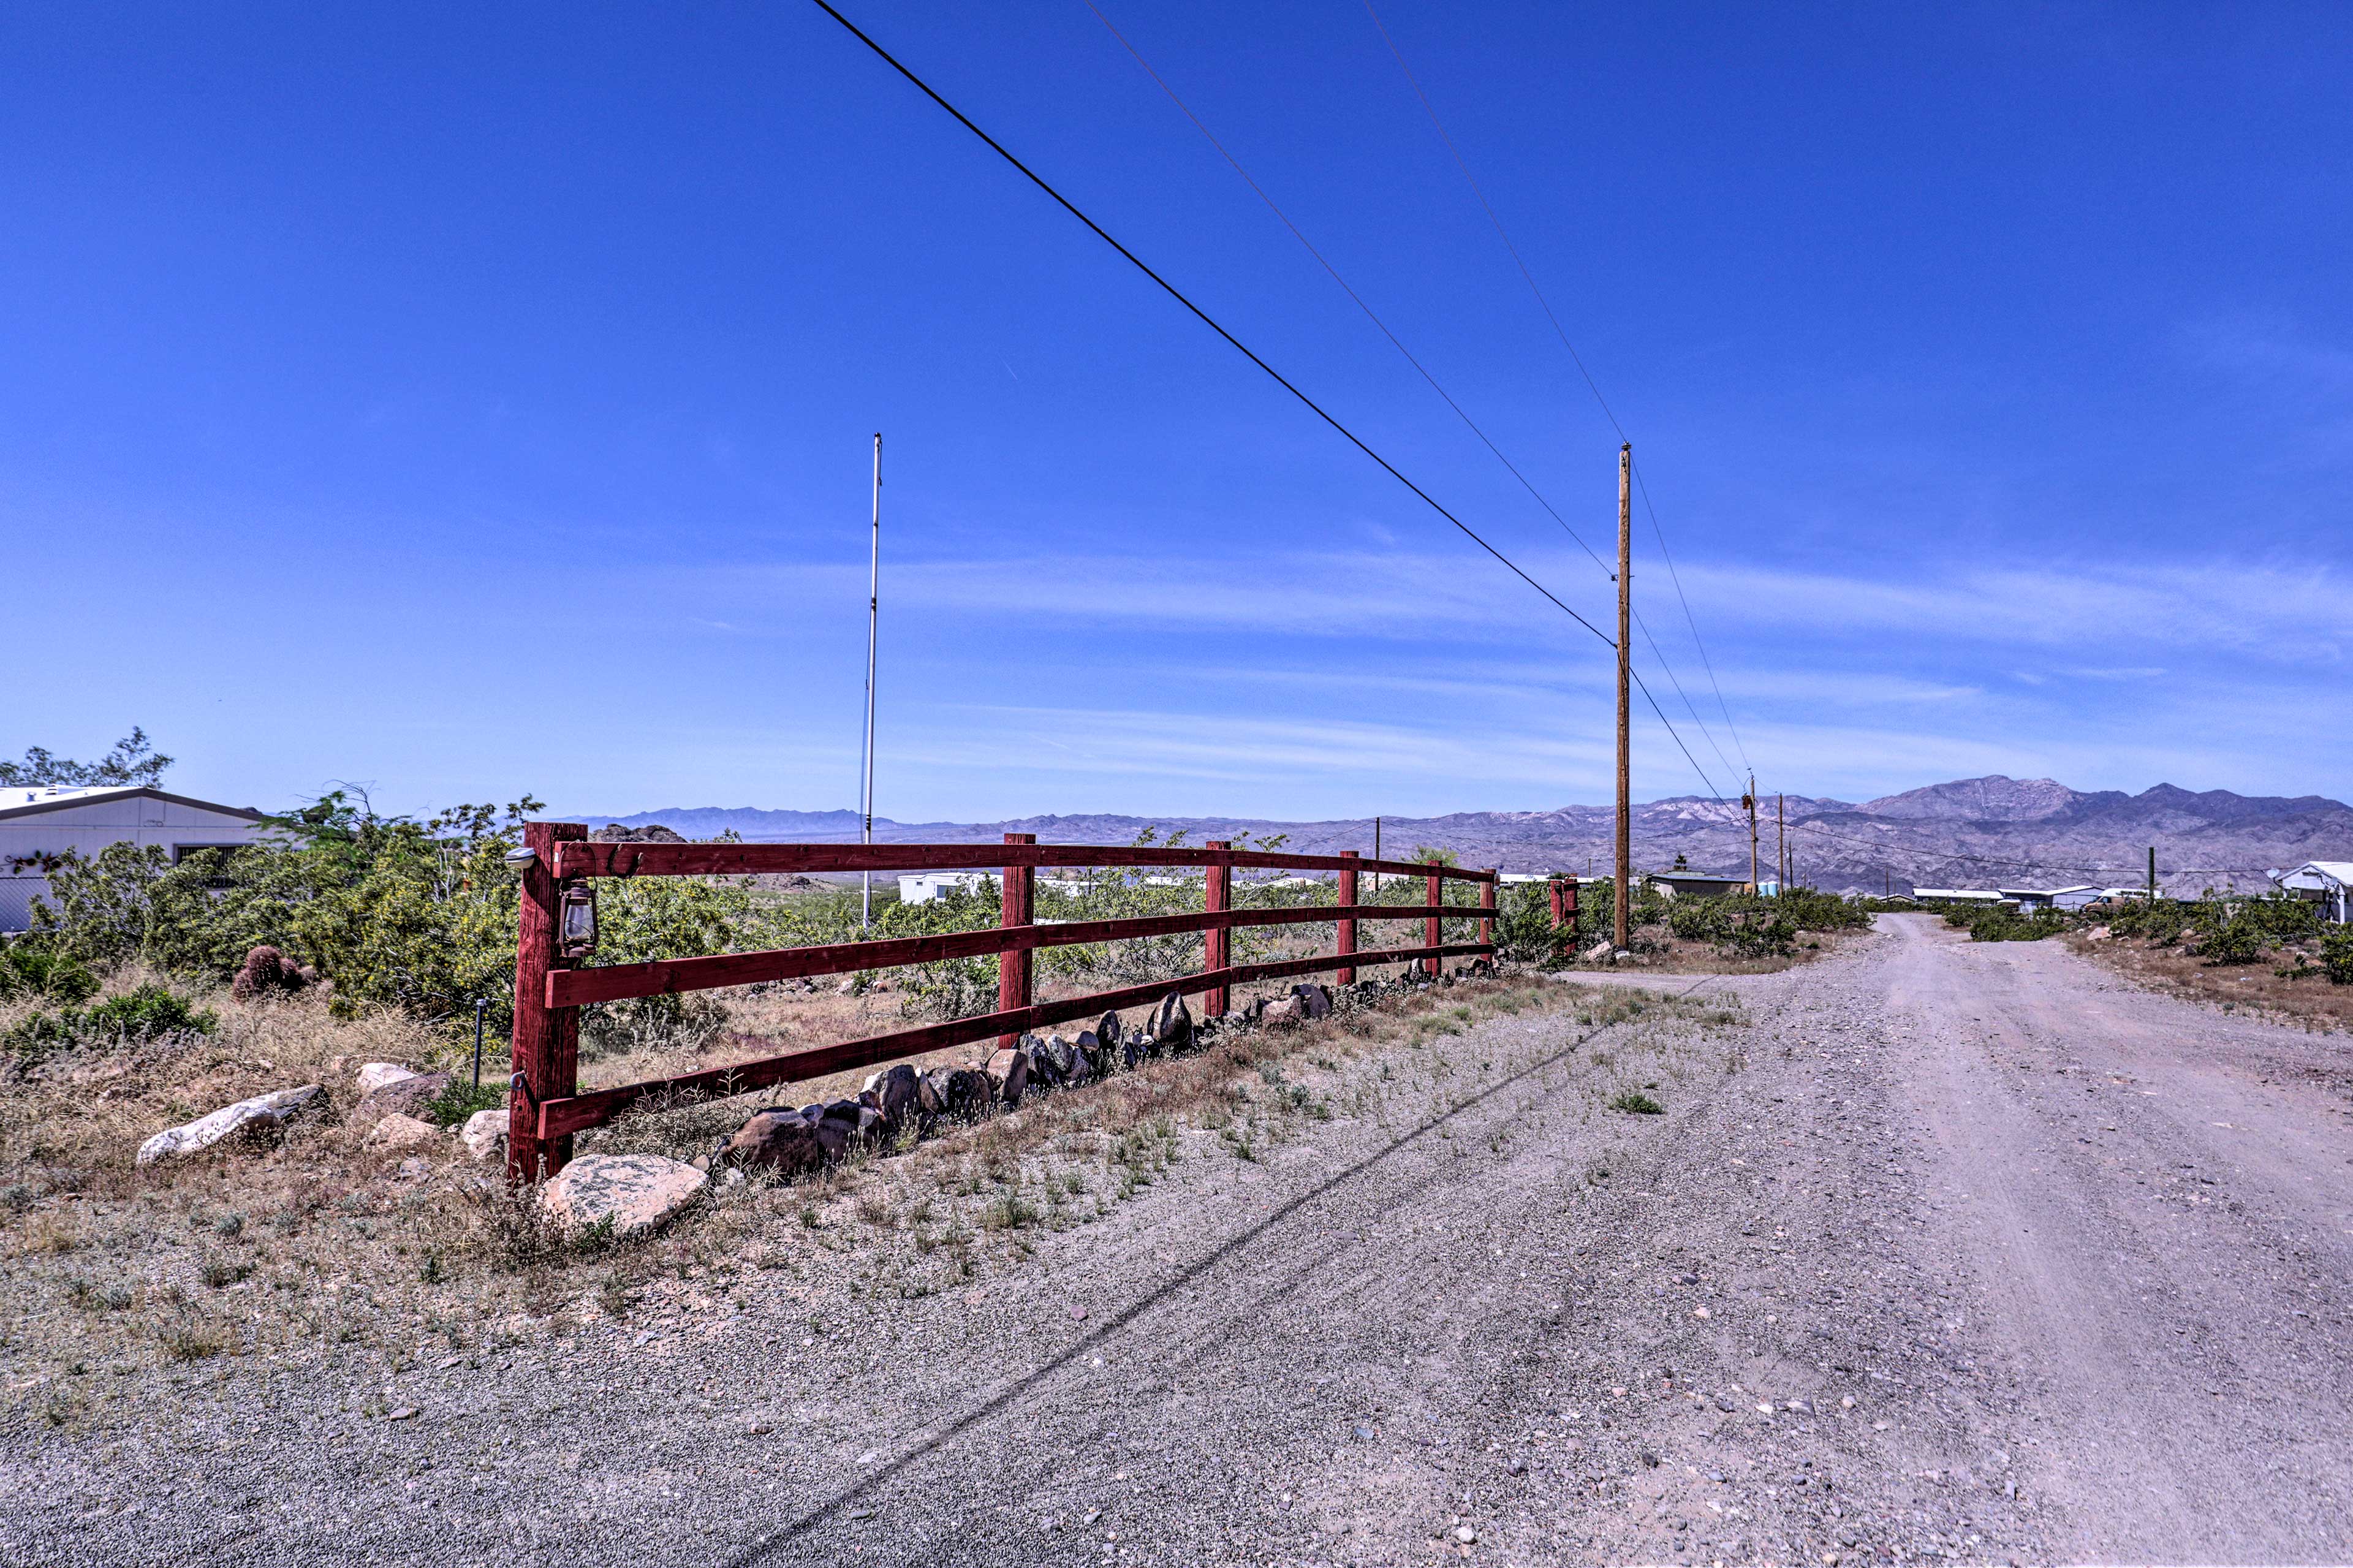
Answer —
(1945, 1251)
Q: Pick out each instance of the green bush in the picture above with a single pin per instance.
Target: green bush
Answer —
(29, 968)
(145, 1014)
(2233, 941)
(2336, 955)
(2000, 923)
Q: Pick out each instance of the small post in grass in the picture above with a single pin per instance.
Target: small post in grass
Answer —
(1348, 944)
(481, 1004)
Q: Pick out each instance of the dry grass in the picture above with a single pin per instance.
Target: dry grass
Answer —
(2306, 1001)
(323, 1251)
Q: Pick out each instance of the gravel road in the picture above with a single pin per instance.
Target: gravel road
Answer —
(1948, 1251)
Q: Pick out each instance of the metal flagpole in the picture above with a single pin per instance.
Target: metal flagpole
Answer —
(873, 611)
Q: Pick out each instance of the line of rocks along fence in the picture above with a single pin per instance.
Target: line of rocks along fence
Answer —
(545, 1105)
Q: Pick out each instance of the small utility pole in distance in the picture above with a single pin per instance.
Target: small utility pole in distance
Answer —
(1622, 932)
(873, 613)
(1781, 841)
(2152, 873)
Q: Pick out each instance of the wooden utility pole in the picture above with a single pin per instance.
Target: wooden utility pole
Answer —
(1781, 841)
(1625, 899)
(1748, 804)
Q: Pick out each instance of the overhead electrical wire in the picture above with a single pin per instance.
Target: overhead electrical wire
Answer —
(1206, 319)
(1245, 351)
(1413, 360)
(1496, 221)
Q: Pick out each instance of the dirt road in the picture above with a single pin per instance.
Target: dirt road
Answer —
(1941, 1251)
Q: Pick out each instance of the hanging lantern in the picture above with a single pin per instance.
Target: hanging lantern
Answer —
(575, 921)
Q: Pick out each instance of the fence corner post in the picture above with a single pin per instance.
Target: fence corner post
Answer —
(1013, 968)
(1218, 942)
(1487, 904)
(1348, 933)
(545, 1046)
(1433, 928)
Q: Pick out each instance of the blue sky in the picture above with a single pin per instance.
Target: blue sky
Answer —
(472, 400)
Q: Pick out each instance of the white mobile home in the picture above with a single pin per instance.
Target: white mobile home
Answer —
(2329, 882)
(2052, 898)
(40, 822)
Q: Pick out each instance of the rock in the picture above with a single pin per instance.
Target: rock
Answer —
(1482, 967)
(2098, 934)
(894, 1091)
(485, 1134)
(630, 1192)
(1286, 1013)
(1517, 1465)
(1599, 952)
(262, 1117)
(784, 1141)
(404, 1097)
(1315, 1002)
(1172, 1024)
(1009, 1073)
(398, 1132)
(1466, 1535)
(374, 1075)
(970, 1093)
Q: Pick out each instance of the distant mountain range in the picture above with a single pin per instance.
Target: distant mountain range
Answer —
(1989, 832)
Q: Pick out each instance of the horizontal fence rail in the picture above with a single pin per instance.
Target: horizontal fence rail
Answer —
(578, 1111)
(545, 1105)
(664, 976)
(629, 859)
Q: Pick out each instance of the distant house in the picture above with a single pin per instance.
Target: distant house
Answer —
(2067, 898)
(1987, 896)
(923, 887)
(2329, 882)
(1685, 885)
(39, 822)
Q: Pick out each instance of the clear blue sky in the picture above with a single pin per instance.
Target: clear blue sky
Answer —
(475, 399)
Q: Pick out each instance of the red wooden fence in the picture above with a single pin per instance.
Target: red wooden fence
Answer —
(545, 1105)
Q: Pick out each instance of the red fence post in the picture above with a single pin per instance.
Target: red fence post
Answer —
(545, 1053)
(1217, 944)
(1013, 968)
(1347, 944)
(1434, 926)
(1487, 903)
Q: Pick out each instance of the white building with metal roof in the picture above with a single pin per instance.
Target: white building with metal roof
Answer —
(2327, 882)
(40, 822)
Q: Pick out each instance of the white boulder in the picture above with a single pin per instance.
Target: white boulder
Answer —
(486, 1133)
(398, 1132)
(374, 1075)
(261, 1115)
(633, 1191)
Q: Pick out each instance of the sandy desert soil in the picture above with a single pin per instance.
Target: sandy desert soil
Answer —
(1938, 1251)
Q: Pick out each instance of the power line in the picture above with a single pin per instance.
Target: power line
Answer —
(1495, 219)
(1429, 108)
(1411, 359)
(1676, 578)
(1204, 317)
(1323, 262)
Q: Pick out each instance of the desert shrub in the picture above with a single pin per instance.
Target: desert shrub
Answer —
(146, 1012)
(454, 1104)
(2281, 917)
(2000, 923)
(2232, 940)
(2336, 955)
(30, 969)
(1810, 909)
(1524, 931)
